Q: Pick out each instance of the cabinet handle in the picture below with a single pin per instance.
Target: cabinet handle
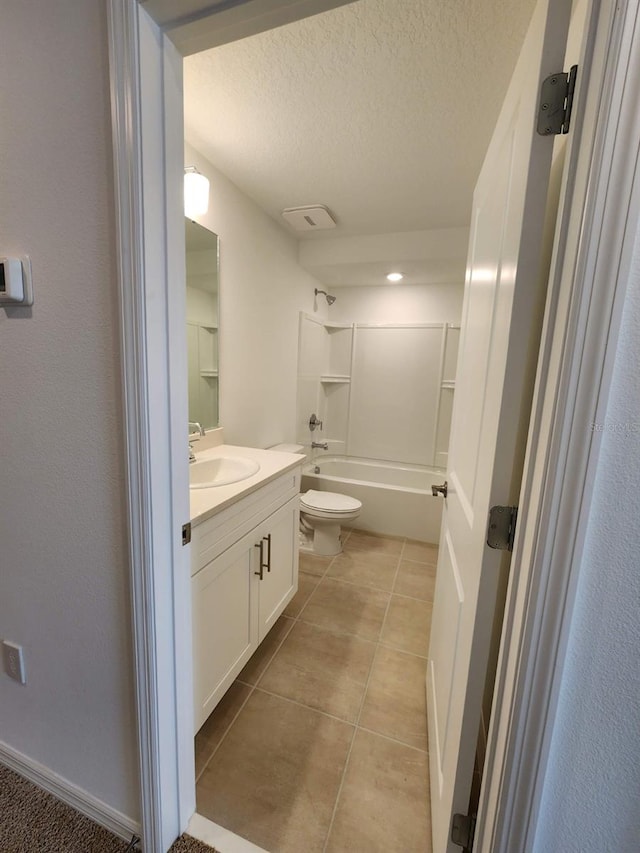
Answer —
(268, 538)
(260, 545)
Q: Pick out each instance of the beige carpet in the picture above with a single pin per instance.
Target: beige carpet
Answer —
(32, 821)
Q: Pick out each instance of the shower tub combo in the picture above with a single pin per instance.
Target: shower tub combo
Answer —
(396, 498)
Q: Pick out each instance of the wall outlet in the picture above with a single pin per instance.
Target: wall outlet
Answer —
(14, 661)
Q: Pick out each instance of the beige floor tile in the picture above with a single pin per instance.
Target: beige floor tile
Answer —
(359, 540)
(345, 607)
(260, 659)
(276, 775)
(395, 704)
(407, 625)
(384, 802)
(421, 552)
(306, 585)
(321, 669)
(417, 580)
(313, 564)
(366, 568)
(218, 722)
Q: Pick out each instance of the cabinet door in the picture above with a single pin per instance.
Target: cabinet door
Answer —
(279, 536)
(225, 615)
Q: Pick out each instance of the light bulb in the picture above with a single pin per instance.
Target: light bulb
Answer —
(196, 193)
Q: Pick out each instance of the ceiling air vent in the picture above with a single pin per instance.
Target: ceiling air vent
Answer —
(314, 217)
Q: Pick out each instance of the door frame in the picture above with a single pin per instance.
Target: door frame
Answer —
(588, 285)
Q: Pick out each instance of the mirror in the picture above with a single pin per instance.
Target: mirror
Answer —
(202, 323)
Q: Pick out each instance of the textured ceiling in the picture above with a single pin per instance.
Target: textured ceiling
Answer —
(382, 109)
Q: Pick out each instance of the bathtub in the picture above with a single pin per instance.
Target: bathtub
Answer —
(396, 498)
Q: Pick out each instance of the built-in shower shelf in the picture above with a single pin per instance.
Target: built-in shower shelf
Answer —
(334, 379)
(209, 374)
(448, 383)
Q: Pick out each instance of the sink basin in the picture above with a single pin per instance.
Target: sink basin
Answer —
(221, 471)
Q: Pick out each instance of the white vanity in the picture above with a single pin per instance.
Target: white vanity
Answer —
(244, 563)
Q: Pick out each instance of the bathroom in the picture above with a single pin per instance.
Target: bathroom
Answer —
(368, 679)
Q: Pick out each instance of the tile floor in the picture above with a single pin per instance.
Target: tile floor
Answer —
(321, 743)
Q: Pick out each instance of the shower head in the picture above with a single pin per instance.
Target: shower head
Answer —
(330, 299)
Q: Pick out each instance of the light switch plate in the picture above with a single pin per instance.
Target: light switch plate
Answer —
(16, 287)
(14, 661)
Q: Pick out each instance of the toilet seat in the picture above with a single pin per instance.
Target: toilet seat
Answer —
(328, 504)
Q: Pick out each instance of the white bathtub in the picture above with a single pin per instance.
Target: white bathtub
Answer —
(396, 498)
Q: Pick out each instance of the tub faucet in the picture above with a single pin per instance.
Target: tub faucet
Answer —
(323, 445)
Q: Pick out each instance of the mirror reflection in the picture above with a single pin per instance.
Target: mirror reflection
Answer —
(202, 323)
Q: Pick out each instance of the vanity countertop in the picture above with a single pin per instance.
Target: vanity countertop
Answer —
(205, 503)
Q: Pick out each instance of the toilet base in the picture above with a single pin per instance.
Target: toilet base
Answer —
(323, 539)
(326, 540)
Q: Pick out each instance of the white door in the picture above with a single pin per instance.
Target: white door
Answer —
(498, 349)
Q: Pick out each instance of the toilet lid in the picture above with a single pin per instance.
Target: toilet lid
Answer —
(329, 501)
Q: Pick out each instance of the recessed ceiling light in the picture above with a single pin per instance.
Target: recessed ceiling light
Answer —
(395, 276)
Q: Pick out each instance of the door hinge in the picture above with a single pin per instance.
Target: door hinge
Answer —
(186, 533)
(556, 100)
(463, 829)
(502, 527)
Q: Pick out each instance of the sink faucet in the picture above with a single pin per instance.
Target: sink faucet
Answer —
(200, 430)
(323, 445)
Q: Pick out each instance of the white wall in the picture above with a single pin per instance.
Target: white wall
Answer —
(64, 591)
(262, 291)
(416, 303)
(590, 803)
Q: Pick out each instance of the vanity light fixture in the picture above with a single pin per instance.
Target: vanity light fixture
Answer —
(196, 192)
(395, 276)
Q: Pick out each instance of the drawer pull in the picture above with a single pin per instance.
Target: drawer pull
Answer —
(260, 545)
(268, 538)
(264, 565)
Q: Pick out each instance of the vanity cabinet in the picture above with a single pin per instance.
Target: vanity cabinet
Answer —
(244, 573)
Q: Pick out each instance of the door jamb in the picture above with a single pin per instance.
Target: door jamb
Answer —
(530, 663)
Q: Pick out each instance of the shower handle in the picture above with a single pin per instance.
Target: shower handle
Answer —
(314, 423)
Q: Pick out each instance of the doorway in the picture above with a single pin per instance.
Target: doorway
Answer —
(212, 774)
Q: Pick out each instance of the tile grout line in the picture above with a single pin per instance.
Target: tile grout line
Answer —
(362, 701)
(306, 707)
(226, 731)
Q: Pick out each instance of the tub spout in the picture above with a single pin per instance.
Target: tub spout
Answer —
(323, 445)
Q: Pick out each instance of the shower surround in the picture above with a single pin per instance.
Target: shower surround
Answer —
(383, 394)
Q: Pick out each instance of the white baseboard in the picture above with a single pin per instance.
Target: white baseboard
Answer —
(80, 800)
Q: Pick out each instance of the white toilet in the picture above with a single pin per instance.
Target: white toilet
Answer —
(322, 514)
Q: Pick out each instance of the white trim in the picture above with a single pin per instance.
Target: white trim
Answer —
(221, 839)
(215, 24)
(591, 261)
(140, 65)
(68, 793)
